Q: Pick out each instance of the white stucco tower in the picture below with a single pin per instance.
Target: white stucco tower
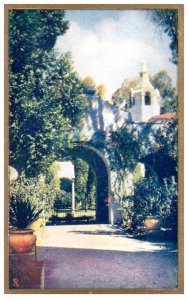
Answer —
(145, 99)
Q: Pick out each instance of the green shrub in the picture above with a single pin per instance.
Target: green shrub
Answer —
(145, 198)
(29, 197)
(168, 203)
(150, 198)
(69, 216)
(64, 199)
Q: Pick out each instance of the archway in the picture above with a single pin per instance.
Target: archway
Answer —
(160, 165)
(99, 164)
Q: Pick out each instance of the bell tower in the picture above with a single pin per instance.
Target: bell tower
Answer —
(145, 99)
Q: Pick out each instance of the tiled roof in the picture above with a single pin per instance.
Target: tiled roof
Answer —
(164, 116)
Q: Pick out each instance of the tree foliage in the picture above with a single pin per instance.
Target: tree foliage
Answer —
(156, 193)
(89, 84)
(46, 94)
(160, 138)
(163, 82)
(29, 197)
(47, 105)
(123, 149)
(84, 184)
(151, 198)
(124, 91)
(168, 204)
(91, 188)
(167, 20)
(30, 30)
(101, 91)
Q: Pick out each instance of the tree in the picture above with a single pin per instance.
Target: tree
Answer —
(91, 188)
(84, 184)
(46, 95)
(124, 91)
(101, 91)
(163, 83)
(89, 84)
(162, 140)
(167, 20)
(151, 197)
(168, 205)
(47, 106)
(160, 81)
(30, 30)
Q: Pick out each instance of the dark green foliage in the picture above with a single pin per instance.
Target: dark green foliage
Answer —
(85, 183)
(152, 195)
(168, 204)
(98, 139)
(91, 188)
(23, 214)
(124, 150)
(46, 94)
(47, 105)
(69, 217)
(127, 212)
(167, 20)
(151, 198)
(66, 185)
(63, 199)
(81, 174)
(163, 83)
(30, 30)
(28, 198)
(145, 198)
(146, 195)
(34, 195)
(164, 141)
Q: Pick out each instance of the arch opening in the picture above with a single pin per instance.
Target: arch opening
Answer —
(97, 161)
(147, 98)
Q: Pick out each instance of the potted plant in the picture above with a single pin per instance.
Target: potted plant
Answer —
(22, 214)
(24, 209)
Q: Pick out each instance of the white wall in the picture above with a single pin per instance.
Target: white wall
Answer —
(135, 110)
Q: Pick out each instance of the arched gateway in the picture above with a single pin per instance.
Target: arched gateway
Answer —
(95, 159)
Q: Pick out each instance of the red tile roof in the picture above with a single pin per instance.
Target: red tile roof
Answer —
(164, 116)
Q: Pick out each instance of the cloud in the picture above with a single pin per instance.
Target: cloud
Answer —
(113, 48)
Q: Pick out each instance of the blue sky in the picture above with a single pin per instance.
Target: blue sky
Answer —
(110, 45)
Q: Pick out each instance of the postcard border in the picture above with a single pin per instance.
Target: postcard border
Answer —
(180, 8)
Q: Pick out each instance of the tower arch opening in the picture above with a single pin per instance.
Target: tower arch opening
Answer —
(147, 98)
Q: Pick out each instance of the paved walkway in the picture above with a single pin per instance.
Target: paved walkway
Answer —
(100, 257)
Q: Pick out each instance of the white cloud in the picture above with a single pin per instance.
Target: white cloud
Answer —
(114, 48)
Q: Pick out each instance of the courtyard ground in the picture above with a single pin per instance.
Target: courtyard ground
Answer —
(102, 257)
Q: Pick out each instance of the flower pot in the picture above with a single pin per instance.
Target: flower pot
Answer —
(22, 241)
(152, 223)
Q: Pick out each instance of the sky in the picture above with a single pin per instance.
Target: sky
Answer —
(111, 45)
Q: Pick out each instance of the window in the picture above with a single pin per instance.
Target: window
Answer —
(131, 101)
(147, 98)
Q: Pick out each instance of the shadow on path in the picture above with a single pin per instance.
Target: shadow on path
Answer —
(68, 268)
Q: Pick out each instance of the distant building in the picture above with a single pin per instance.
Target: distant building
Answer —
(141, 106)
(144, 102)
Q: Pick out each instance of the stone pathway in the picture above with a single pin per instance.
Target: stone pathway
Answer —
(101, 257)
